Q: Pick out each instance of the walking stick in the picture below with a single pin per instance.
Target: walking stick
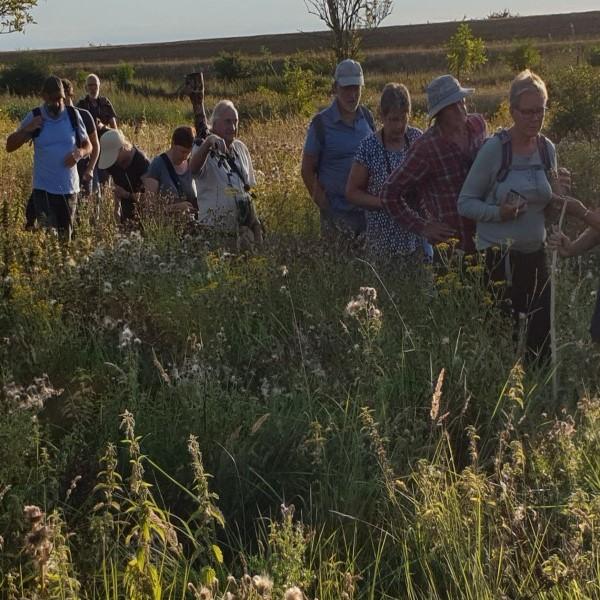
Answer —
(553, 344)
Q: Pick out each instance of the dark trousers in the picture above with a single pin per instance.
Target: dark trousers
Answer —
(525, 296)
(55, 211)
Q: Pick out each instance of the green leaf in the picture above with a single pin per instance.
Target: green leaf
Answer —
(217, 553)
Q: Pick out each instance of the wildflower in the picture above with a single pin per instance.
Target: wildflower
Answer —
(284, 271)
(127, 338)
(437, 396)
(107, 287)
(293, 593)
(263, 585)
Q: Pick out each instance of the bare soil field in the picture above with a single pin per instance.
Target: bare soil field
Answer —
(574, 26)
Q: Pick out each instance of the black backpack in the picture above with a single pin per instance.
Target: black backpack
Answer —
(72, 112)
(507, 154)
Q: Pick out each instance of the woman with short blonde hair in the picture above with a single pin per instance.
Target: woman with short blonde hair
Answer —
(506, 193)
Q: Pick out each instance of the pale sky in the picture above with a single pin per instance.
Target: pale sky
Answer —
(62, 23)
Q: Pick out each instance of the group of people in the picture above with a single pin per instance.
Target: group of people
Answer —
(400, 189)
(208, 175)
(406, 190)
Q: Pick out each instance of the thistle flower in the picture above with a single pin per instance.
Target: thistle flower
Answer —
(293, 593)
(263, 585)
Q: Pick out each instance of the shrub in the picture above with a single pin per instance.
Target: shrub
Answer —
(299, 87)
(523, 56)
(123, 74)
(465, 52)
(593, 57)
(26, 76)
(575, 95)
(231, 66)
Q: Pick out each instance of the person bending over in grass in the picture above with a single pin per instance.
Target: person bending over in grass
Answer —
(59, 142)
(224, 176)
(169, 175)
(421, 194)
(378, 155)
(126, 164)
(589, 239)
(331, 143)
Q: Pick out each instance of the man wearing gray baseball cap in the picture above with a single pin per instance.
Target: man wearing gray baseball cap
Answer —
(422, 194)
(331, 142)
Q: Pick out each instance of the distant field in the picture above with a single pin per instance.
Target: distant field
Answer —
(570, 26)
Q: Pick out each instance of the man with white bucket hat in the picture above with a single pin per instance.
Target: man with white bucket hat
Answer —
(421, 195)
(331, 142)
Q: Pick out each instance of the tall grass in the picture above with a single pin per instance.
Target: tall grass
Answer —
(304, 375)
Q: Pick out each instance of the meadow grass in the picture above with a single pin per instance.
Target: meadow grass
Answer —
(302, 417)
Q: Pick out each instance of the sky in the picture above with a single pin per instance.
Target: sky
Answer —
(73, 23)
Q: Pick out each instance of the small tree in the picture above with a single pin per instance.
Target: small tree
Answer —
(523, 56)
(465, 52)
(26, 76)
(123, 74)
(347, 19)
(231, 66)
(15, 14)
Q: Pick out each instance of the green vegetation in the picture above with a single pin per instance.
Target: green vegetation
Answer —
(523, 56)
(26, 76)
(178, 420)
(465, 51)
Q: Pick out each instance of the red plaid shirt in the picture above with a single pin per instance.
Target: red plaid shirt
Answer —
(426, 186)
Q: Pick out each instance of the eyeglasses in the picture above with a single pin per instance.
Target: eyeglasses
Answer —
(533, 112)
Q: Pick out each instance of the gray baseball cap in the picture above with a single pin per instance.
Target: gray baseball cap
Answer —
(444, 91)
(349, 72)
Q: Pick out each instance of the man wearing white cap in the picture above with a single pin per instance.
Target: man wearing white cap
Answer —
(422, 194)
(331, 142)
(126, 164)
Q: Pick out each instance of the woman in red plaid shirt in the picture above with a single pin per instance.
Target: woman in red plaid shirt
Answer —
(421, 195)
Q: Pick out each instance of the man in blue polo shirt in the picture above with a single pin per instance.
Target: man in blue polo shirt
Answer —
(331, 142)
(59, 141)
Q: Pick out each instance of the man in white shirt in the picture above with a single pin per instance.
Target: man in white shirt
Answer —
(224, 176)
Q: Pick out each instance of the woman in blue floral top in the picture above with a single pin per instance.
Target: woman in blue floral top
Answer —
(378, 155)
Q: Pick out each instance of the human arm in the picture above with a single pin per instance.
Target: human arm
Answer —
(89, 171)
(308, 170)
(478, 185)
(576, 208)
(199, 156)
(399, 195)
(356, 188)
(566, 247)
(24, 133)
(72, 158)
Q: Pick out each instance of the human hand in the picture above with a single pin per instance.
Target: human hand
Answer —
(214, 142)
(88, 175)
(71, 158)
(319, 196)
(436, 232)
(120, 192)
(33, 125)
(559, 242)
(513, 205)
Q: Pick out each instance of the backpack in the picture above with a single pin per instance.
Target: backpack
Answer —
(507, 154)
(72, 112)
(175, 179)
(319, 126)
